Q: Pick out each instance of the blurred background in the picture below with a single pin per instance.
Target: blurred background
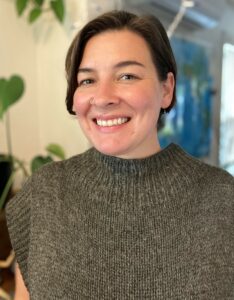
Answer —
(34, 38)
(203, 44)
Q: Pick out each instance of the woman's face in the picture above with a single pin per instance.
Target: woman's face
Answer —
(119, 95)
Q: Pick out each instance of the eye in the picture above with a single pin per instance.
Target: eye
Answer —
(87, 81)
(128, 77)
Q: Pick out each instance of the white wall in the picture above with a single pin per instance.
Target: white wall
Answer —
(37, 52)
(17, 55)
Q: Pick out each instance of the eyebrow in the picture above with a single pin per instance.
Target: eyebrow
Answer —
(128, 63)
(118, 65)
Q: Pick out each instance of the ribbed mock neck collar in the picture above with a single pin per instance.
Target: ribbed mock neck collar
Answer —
(153, 163)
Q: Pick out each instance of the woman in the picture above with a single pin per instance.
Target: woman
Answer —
(126, 219)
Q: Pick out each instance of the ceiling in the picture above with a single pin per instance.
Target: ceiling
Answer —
(205, 13)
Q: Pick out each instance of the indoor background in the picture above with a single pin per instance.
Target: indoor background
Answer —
(37, 52)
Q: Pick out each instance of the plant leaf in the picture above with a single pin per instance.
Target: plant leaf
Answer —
(56, 150)
(39, 2)
(15, 89)
(39, 161)
(3, 83)
(58, 8)
(20, 6)
(34, 14)
(10, 92)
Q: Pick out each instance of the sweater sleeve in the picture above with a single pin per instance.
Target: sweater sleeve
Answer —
(18, 222)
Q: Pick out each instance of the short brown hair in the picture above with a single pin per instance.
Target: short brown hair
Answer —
(148, 27)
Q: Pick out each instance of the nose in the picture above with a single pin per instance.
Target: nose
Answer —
(105, 95)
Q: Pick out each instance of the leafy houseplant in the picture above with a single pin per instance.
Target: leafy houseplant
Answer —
(38, 7)
(54, 151)
(11, 90)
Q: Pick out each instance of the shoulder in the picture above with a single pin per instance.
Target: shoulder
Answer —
(54, 176)
(213, 174)
(210, 186)
(218, 175)
(218, 183)
(203, 172)
(55, 171)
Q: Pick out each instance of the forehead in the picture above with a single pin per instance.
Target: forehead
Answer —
(115, 45)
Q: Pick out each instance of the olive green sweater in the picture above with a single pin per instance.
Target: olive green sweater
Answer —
(100, 227)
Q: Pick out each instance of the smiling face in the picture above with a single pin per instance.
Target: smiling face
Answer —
(119, 95)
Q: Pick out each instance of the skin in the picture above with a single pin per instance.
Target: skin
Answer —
(118, 75)
(21, 292)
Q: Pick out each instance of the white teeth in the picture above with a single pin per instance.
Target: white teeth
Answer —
(112, 122)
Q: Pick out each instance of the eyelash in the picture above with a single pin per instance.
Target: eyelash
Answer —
(132, 77)
(84, 81)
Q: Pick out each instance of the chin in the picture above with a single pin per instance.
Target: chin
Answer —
(111, 150)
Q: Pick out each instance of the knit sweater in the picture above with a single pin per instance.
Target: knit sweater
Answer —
(101, 227)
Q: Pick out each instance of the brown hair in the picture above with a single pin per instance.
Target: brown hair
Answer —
(148, 27)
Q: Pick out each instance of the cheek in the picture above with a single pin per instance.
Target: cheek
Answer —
(147, 103)
(145, 100)
(80, 104)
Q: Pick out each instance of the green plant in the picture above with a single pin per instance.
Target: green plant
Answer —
(53, 151)
(36, 8)
(11, 90)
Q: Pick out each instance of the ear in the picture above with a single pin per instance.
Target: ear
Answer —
(168, 86)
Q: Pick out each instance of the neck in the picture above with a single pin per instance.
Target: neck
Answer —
(149, 149)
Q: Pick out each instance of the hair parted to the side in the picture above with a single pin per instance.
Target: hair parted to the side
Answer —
(148, 27)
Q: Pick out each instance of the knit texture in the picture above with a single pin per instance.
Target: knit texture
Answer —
(101, 227)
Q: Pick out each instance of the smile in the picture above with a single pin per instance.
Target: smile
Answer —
(113, 122)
